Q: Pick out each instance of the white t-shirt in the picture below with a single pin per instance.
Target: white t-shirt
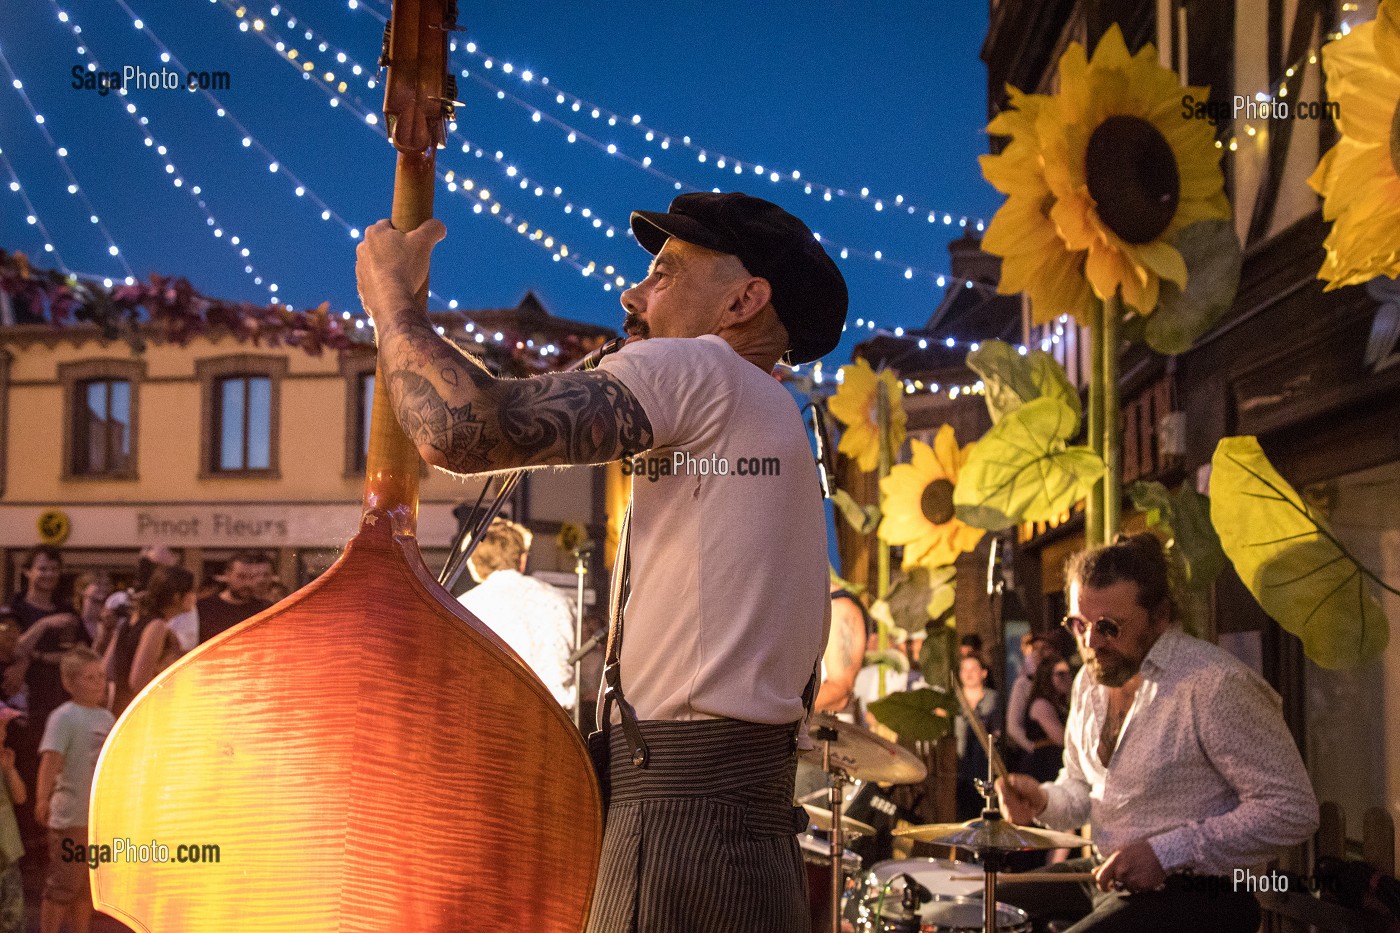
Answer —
(730, 599)
(535, 619)
(77, 733)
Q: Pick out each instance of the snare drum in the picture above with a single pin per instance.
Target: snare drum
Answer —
(956, 905)
(936, 874)
(964, 915)
(942, 915)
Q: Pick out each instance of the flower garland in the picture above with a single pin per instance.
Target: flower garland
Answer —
(170, 310)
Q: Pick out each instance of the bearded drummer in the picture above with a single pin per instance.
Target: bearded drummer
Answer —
(1177, 756)
(729, 607)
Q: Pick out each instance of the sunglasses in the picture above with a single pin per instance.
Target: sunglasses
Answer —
(1104, 628)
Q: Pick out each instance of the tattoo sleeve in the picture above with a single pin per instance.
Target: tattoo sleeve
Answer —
(468, 421)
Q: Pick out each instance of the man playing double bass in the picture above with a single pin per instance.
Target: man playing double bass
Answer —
(728, 607)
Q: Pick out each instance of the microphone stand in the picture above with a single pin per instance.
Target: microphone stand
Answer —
(580, 652)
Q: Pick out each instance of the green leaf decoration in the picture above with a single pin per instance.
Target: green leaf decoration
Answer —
(1212, 253)
(1021, 470)
(911, 713)
(1194, 555)
(1183, 519)
(863, 518)
(937, 656)
(892, 658)
(940, 601)
(1196, 538)
(1010, 380)
(1155, 499)
(1298, 571)
(910, 598)
(1052, 381)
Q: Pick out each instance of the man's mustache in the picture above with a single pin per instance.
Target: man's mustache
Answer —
(634, 325)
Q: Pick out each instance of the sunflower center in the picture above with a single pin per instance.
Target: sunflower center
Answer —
(1395, 140)
(937, 501)
(1133, 178)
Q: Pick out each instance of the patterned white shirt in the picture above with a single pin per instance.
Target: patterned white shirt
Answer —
(536, 620)
(1205, 768)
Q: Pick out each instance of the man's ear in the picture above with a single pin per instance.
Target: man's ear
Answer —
(750, 300)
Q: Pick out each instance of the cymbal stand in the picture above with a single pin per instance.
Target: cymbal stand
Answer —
(993, 860)
(835, 798)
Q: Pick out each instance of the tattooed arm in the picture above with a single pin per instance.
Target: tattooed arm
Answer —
(466, 420)
(461, 417)
(844, 655)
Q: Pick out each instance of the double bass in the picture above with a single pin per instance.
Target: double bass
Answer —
(366, 755)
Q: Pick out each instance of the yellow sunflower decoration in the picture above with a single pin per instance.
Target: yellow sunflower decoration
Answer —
(854, 405)
(917, 504)
(1099, 177)
(1359, 178)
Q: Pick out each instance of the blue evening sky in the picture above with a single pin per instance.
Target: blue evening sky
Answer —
(889, 96)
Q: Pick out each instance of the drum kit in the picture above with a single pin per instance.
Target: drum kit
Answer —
(916, 895)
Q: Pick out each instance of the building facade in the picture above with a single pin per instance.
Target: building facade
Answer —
(218, 446)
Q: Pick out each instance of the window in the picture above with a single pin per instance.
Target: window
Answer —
(102, 426)
(100, 414)
(241, 415)
(243, 419)
(357, 369)
(365, 407)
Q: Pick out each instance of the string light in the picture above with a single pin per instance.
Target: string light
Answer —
(646, 164)
(480, 197)
(1268, 101)
(32, 214)
(61, 153)
(194, 191)
(520, 179)
(708, 155)
(573, 134)
(300, 188)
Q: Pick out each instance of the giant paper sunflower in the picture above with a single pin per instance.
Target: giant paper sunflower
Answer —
(854, 405)
(1099, 178)
(1359, 178)
(917, 504)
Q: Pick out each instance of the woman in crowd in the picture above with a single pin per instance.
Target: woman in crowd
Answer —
(144, 645)
(1045, 719)
(972, 758)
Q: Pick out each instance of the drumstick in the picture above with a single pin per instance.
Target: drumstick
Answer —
(975, 723)
(1028, 876)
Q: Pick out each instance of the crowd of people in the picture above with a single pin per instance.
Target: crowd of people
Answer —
(75, 651)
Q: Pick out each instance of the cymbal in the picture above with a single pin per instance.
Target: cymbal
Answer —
(862, 754)
(821, 819)
(992, 834)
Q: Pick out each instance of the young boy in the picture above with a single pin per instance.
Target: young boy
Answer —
(68, 758)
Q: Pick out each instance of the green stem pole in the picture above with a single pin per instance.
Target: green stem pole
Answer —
(882, 549)
(1093, 505)
(1112, 421)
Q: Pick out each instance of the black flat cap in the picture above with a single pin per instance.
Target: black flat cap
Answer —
(809, 294)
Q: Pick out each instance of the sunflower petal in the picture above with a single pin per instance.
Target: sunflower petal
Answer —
(945, 451)
(1388, 35)
(1163, 259)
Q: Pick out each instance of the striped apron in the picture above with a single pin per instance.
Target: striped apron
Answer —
(704, 839)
